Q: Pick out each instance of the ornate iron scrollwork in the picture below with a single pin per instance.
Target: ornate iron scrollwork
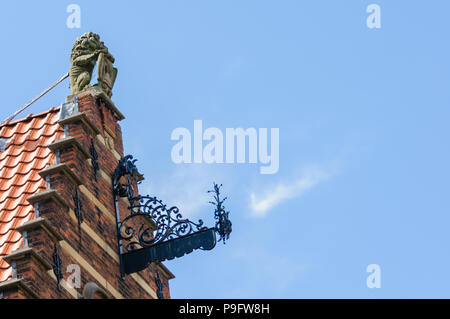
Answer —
(170, 224)
(57, 265)
(154, 232)
(94, 155)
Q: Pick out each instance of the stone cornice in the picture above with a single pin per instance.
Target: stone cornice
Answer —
(48, 194)
(17, 283)
(81, 116)
(26, 252)
(68, 141)
(61, 168)
(40, 223)
(165, 270)
(109, 103)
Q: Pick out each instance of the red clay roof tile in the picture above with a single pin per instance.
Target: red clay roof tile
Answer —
(25, 154)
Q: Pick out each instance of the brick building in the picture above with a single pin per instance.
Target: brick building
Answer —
(57, 216)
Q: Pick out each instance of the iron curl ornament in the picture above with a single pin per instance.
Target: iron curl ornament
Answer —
(151, 231)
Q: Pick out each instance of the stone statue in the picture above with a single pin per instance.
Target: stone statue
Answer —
(86, 51)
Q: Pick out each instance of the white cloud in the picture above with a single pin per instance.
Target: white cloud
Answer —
(310, 177)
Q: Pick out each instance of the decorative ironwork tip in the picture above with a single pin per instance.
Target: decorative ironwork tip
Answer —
(126, 166)
(223, 223)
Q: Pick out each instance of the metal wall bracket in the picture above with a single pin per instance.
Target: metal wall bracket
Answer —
(57, 266)
(153, 232)
(78, 207)
(94, 155)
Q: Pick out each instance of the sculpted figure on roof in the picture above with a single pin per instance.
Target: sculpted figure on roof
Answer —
(88, 50)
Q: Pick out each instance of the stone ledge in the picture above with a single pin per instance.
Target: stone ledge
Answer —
(68, 141)
(48, 194)
(81, 116)
(41, 223)
(165, 270)
(19, 284)
(61, 168)
(25, 252)
(109, 103)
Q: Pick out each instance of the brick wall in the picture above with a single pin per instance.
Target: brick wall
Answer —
(91, 244)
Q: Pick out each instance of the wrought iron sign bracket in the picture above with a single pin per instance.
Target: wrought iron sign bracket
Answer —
(140, 243)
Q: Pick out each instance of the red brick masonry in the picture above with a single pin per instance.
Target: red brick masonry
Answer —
(46, 161)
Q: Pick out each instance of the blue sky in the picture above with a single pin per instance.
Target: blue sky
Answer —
(363, 118)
